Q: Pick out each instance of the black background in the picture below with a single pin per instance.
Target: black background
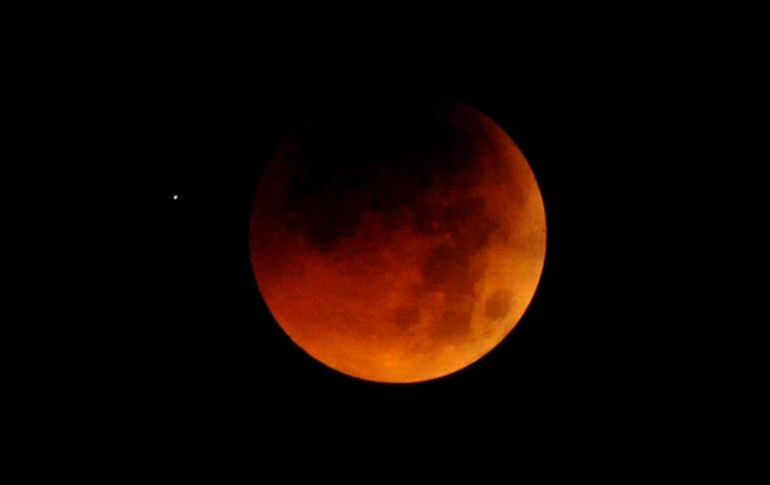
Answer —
(616, 362)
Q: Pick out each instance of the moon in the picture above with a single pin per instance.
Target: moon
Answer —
(398, 241)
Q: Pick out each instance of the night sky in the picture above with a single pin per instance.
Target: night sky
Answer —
(608, 365)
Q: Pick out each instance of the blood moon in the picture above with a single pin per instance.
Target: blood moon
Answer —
(400, 241)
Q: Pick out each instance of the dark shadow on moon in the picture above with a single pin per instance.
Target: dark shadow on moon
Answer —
(349, 162)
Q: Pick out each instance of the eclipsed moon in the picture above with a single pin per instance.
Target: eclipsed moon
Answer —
(398, 242)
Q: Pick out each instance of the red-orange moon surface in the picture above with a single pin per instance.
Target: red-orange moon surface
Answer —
(398, 242)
